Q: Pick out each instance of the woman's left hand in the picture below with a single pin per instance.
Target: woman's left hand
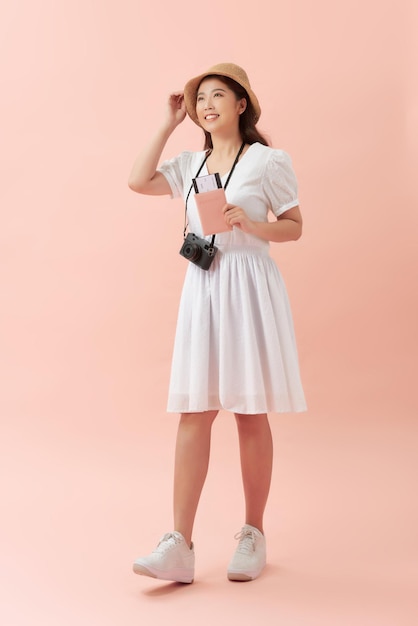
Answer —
(235, 216)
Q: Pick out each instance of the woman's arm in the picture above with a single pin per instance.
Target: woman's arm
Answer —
(144, 177)
(288, 226)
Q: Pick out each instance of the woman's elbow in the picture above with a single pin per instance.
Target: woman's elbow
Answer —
(134, 185)
(297, 231)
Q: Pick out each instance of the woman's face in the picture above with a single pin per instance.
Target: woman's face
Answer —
(217, 106)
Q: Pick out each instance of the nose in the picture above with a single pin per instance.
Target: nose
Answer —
(208, 104)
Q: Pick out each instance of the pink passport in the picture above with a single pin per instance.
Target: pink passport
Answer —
(209, 205)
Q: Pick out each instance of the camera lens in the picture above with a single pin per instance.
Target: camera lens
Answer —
(192, 251)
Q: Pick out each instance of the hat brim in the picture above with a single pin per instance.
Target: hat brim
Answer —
(191, 87)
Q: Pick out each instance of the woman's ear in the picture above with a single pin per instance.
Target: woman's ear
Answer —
(242, 105)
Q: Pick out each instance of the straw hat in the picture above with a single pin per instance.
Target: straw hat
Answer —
(222, 69)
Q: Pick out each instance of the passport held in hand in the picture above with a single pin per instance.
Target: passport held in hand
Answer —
(210, 200)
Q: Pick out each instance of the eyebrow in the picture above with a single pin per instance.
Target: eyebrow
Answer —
(201, 93)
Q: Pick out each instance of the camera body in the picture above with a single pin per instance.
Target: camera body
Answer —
(199, 251)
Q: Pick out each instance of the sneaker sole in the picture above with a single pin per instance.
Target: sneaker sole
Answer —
(244, 576)
(176, 575)
(240, 577)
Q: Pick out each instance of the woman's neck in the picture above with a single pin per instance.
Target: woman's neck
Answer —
(226, 147)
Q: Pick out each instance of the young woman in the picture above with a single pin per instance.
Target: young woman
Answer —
(234, 346)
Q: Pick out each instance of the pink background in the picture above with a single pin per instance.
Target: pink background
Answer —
(90, 279)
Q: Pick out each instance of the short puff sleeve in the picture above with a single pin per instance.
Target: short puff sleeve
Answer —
(279, 182)
(175, 171)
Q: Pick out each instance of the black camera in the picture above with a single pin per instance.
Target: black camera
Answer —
(198, 251)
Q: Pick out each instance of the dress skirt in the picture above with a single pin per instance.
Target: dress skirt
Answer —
(235, 346)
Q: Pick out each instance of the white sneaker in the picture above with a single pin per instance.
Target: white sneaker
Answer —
(172, 559)
(250, 556)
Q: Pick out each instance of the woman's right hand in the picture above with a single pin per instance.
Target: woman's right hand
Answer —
(176, 108)
(144, 177)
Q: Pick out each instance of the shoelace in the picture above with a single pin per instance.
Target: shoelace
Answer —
(246, 539)
(167, 542)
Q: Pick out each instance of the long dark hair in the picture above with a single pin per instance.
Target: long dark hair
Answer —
(249, 132)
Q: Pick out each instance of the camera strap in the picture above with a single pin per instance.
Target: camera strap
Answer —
(208, 153)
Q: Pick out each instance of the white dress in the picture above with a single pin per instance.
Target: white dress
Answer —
(235, 347)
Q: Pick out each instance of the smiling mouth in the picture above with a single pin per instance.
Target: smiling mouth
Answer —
(211, 116)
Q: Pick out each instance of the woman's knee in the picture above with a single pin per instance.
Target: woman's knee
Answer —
(204, 419)
(251, 421)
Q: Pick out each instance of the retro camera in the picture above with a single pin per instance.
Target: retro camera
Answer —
(198, 251)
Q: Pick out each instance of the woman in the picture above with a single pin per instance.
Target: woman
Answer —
(234, 346)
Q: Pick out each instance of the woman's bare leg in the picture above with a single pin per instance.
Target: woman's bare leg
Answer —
(256, 451)
(191, 466)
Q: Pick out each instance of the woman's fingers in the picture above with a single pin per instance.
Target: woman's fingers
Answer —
(235, 216)
(177, 106)
(176, 100)
(232, 214)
